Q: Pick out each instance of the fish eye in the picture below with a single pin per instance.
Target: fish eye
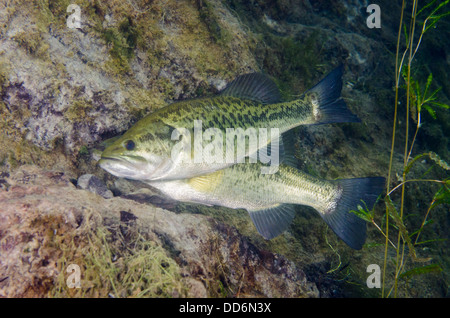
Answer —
(130, 145)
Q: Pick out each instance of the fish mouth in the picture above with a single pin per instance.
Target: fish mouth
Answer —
(121, 167)
(134, 167)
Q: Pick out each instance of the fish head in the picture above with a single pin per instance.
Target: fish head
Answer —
(142, 153)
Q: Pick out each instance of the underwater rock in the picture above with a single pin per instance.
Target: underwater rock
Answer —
(43, 213)
(94, 184)
(66, 88)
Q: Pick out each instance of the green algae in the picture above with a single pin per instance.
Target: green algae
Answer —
(115, 263)
(210, 19)
(79, 110)
(294, 62)
(123, 41)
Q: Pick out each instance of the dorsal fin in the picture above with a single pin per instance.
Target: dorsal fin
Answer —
(254, 86)
(272, 221)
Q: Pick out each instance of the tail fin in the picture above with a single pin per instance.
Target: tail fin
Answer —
(347, 226)
(332, 108)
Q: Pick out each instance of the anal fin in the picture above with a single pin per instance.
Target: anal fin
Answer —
(272, 221)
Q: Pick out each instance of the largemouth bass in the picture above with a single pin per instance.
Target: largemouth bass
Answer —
(270, 198)
(164, 145)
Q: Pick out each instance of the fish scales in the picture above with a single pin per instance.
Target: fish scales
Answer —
(226, 188)
(226, 112)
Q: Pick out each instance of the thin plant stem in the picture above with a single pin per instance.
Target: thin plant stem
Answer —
(415, 135)
(405, 159)
(424, 220)
(413, 180)
(381, 231)
(397, 72)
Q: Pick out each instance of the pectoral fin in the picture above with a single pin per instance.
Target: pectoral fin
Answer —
(206, 183)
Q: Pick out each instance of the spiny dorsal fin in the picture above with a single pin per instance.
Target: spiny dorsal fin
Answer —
(254, 86)
(272, 221)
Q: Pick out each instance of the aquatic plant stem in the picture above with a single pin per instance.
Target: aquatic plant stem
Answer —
(405, 159)
(414, 99)
(381, 231)
(424, 220)
(414, 180)
(335, 252)
(397, 72)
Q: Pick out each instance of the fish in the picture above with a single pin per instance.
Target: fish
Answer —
(164, 144)
(270, 199)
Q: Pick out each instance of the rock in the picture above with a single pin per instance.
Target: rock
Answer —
(63, 89)
(43, 211)
(94, 184)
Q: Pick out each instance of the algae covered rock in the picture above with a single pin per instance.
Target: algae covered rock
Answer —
(94, 184)
(64, 88)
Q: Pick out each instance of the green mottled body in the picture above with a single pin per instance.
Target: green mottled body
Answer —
(243, 186)
(220, 112)
(226, 111)
(153, 134)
